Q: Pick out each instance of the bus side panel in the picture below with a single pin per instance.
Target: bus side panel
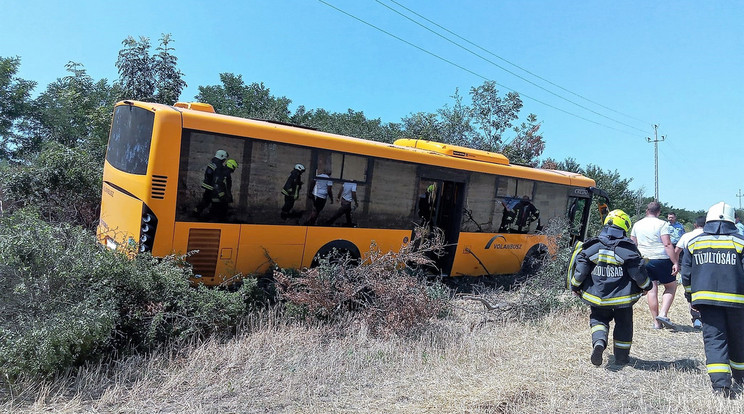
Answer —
(262, 245)
(214, 248)
(121, 218)
(498, 253)
(384, 240)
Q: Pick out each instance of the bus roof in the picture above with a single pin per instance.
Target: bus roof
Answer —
(199, 117)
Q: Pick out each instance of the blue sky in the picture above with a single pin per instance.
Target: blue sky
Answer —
(628, 65)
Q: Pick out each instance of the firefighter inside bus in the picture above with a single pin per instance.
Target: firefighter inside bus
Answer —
(427, 205)
(222, 194)
(291, 192)
(518, 215)
(217, 162)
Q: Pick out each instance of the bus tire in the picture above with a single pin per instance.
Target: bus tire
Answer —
(533, 260)
(336, 249)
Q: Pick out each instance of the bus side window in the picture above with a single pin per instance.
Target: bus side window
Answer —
(392, 191)
(478, 212)
(551, 199)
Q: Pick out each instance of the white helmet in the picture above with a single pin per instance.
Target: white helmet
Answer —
(720, 212)
(299, 167)
(221, 155)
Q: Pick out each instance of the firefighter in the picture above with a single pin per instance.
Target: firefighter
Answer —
(222, 194)
(608, 274)
(208, 182)
(713, 278)
(291, 191)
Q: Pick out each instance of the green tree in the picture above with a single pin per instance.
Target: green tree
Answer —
(493, 114)
(169, 79)
(136, 70)
(234, 97)
(570, 164)
(145, 77)
(480, 125)
(350, 123)
(618, 189)
(527, 146)
(75, 111)
(456, 124)
(423, 125)
(15, 103)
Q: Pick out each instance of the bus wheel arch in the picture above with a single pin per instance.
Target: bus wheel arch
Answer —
(534, 259)
(340, 247)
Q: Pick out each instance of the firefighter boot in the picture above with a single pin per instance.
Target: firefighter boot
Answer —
(599, 348)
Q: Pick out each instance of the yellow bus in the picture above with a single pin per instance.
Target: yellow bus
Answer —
(158, 158)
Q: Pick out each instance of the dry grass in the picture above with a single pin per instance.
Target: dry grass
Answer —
(473, 362)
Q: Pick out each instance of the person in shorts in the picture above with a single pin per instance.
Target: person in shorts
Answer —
(652, 236)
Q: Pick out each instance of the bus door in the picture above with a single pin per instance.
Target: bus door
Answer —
(580, 207)
(441, 206)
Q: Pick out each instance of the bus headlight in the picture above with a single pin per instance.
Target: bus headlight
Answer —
(149, 224)
(110, 243)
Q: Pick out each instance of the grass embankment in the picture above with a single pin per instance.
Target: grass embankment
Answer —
(474, 361)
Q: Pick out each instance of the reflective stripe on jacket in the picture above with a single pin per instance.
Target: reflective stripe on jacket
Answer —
(713, 266)
(208, 181)
(609, 271)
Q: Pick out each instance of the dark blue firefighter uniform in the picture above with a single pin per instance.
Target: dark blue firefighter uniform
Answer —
(610, 276)
(713, 278)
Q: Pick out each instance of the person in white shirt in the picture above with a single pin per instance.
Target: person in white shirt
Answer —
(679, 250)
(651, 234)
(323, 188)
(346, 195)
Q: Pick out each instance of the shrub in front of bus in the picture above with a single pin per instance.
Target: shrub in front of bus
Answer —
(67, 302)
(149, 224)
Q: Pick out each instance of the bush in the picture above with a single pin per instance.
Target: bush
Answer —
(65, 300)
(64, 184)
(545, 291)
(389, 292)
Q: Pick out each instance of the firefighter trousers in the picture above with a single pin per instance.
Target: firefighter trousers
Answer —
(622, 335)
(724, 343)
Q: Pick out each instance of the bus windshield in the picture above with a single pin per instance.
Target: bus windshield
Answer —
(129, 142)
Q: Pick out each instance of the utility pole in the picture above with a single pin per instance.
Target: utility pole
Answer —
(740, 195)
(656, 141)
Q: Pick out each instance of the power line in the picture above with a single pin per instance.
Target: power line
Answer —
(507, 70)
(471, 71)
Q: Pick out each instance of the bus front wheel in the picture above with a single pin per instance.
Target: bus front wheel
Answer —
(336, 252)
(534, 260)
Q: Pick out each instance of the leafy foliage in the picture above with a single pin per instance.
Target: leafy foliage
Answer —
(15, 94)
(527, 145)
(74, 111)
(481, 125)
(145, 77)
(169, 79)
(64, 184)
(234, 97)
(492, 113)
(65, 300)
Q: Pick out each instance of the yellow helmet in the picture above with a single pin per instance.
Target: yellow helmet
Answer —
(620, 219)
(231, 164)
